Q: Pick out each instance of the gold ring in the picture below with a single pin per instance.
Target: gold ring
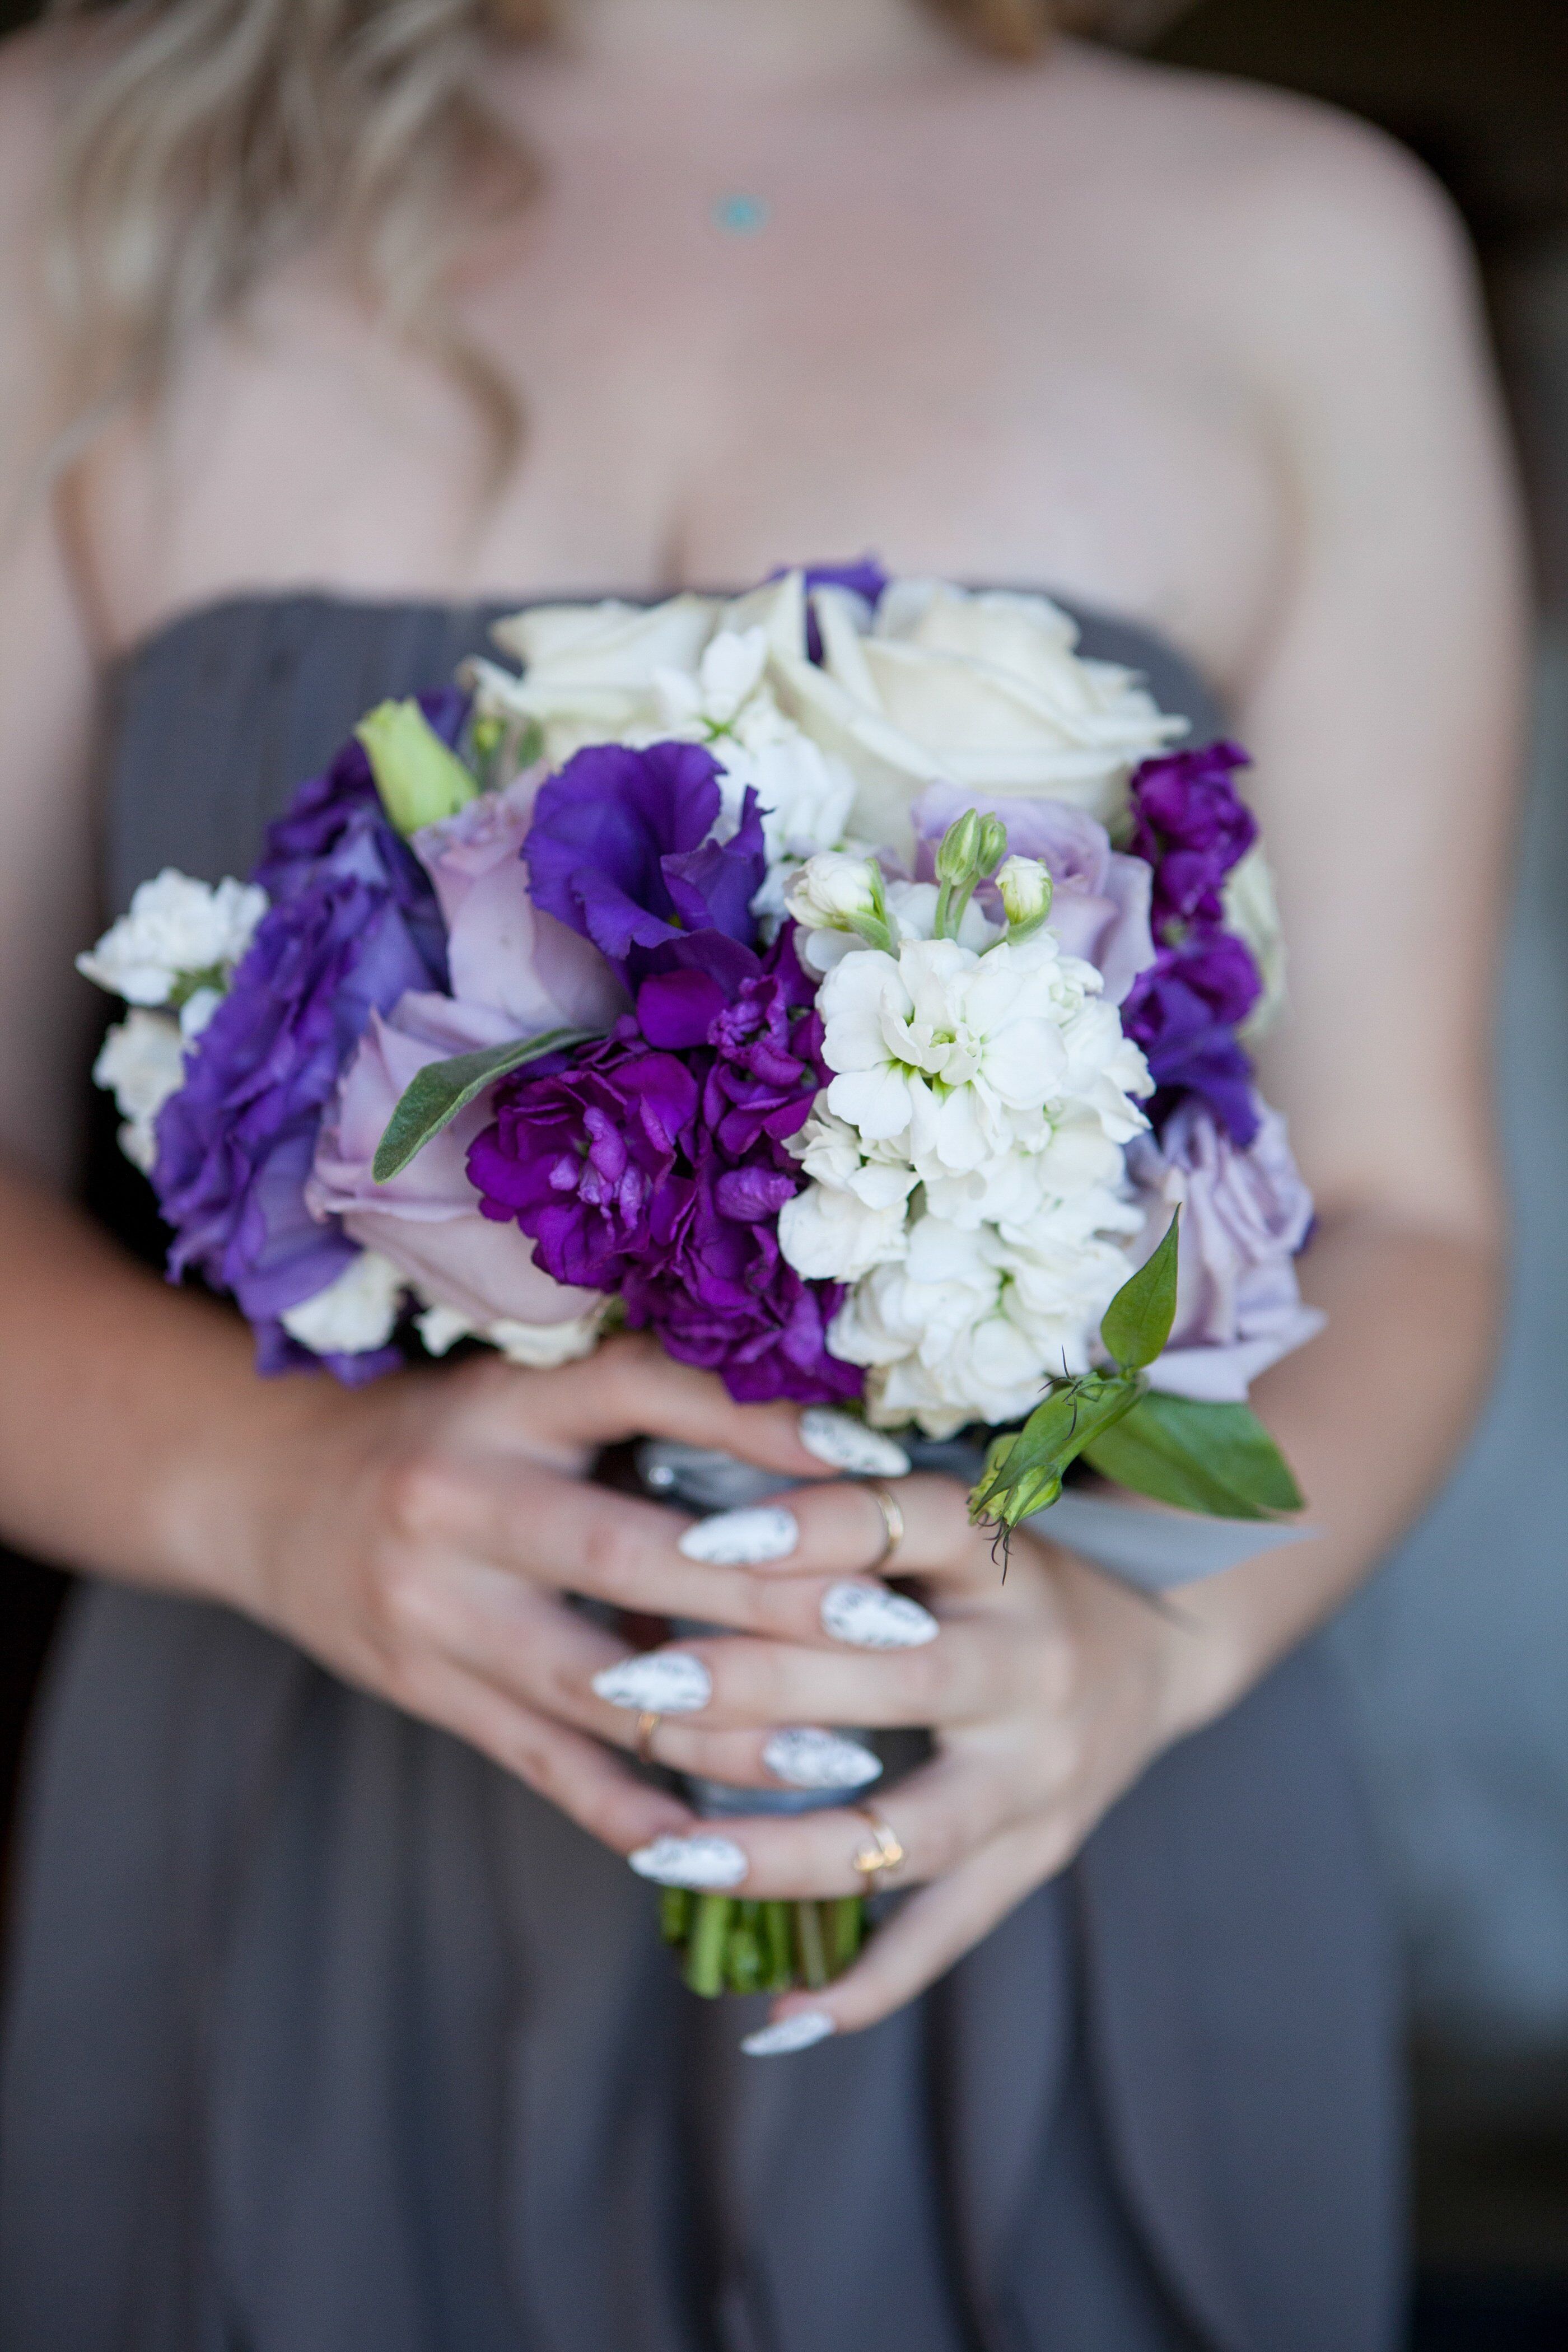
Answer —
(887, 1502)
(885, 1855)
(647, 1724)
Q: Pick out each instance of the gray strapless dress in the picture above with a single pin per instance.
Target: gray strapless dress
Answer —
(326, 2036)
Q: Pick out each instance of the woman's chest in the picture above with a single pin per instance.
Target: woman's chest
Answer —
(708, 390)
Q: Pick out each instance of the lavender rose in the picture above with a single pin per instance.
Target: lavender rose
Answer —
(1245, 1215)
(427, 1220)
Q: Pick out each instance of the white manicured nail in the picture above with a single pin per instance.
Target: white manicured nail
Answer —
(661, 1682)
(846, 1444)
(872, 1618)
(796, 2032)
(808, 1758)
(705, 1861)
(743, 1539)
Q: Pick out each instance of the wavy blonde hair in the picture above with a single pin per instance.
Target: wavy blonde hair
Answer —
(205, 141)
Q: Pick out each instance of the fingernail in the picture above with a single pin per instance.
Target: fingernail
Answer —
(795, 2032)
(704, 1860)
(846, 1444)
(661, 1682)
(872, 1618)
(808, 1758)
(743, 1539)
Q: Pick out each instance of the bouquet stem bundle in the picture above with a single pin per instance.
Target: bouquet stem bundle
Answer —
(731, 1944)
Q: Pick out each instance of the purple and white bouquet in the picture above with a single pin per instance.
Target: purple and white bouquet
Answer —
(847, 983)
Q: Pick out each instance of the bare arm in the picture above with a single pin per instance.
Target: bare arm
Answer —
(1385, 716)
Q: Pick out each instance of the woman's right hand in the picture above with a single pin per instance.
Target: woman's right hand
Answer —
(421, 1534)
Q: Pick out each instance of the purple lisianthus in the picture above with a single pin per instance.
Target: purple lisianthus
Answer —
(1192, 826)
(652, 1165)
(864, 578)
(354, 924)
(621, 850)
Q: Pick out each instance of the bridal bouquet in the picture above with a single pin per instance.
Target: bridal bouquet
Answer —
(847, 983)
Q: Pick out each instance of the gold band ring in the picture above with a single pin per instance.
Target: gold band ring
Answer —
(647, 1724)
(887, 1502)
(886, 1854)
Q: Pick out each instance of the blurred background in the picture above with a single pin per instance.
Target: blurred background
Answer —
(1457, 1655)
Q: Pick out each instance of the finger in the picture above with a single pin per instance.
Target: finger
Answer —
(558, 1535)
(630, 1388)
(573, 1771)
(974, 1669)
(938, 1816)
(935, 1927)
(843, 1525)
(790, 1756)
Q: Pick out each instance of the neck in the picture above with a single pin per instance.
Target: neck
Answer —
(721, 42)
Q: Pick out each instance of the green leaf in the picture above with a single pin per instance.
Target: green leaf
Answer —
(419, 780)
(1137, 1323)
(1023, 1471)
(441, 1089)
(1214, 1458)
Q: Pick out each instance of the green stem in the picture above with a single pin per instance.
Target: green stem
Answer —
(781, 1958)
(808, 1935)
(674, 1914)
(849, 1915)
(706, 1949)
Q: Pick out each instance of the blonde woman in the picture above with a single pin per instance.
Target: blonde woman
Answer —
(328, 328)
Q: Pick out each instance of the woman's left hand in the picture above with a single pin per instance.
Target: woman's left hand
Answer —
(1047, 1691)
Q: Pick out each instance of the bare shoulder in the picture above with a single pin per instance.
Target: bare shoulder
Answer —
(1288, 211)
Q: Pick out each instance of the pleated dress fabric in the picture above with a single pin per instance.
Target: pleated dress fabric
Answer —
(324, 2036)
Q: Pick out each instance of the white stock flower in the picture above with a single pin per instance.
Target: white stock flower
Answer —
(141, 1061)
(974, 1321)
(833, 891)
(851, 1216)
(176, 929)
(984, 690)
(355, 1314)
(1025, 888)
(540, 1347)
(961, 1059)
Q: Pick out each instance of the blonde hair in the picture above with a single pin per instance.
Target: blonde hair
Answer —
(206, 140)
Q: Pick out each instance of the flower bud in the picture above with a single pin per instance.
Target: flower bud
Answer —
(958, 852)
(992, 846)
(1026, 889)
(835, 892)
(419, 780)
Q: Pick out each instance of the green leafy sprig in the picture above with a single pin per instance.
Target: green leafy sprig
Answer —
(1214, 1458)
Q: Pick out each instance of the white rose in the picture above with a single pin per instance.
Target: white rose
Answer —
(176, 929)
(141, 1061)
(622, 673)
(984, 690)
(354, 1314)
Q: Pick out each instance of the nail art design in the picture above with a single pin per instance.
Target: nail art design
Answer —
(746, 1539)
(872, 1618)
(797, 2032)
(805, 1757)
(661, 1682)
(846, 1444)
(706, 1861)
